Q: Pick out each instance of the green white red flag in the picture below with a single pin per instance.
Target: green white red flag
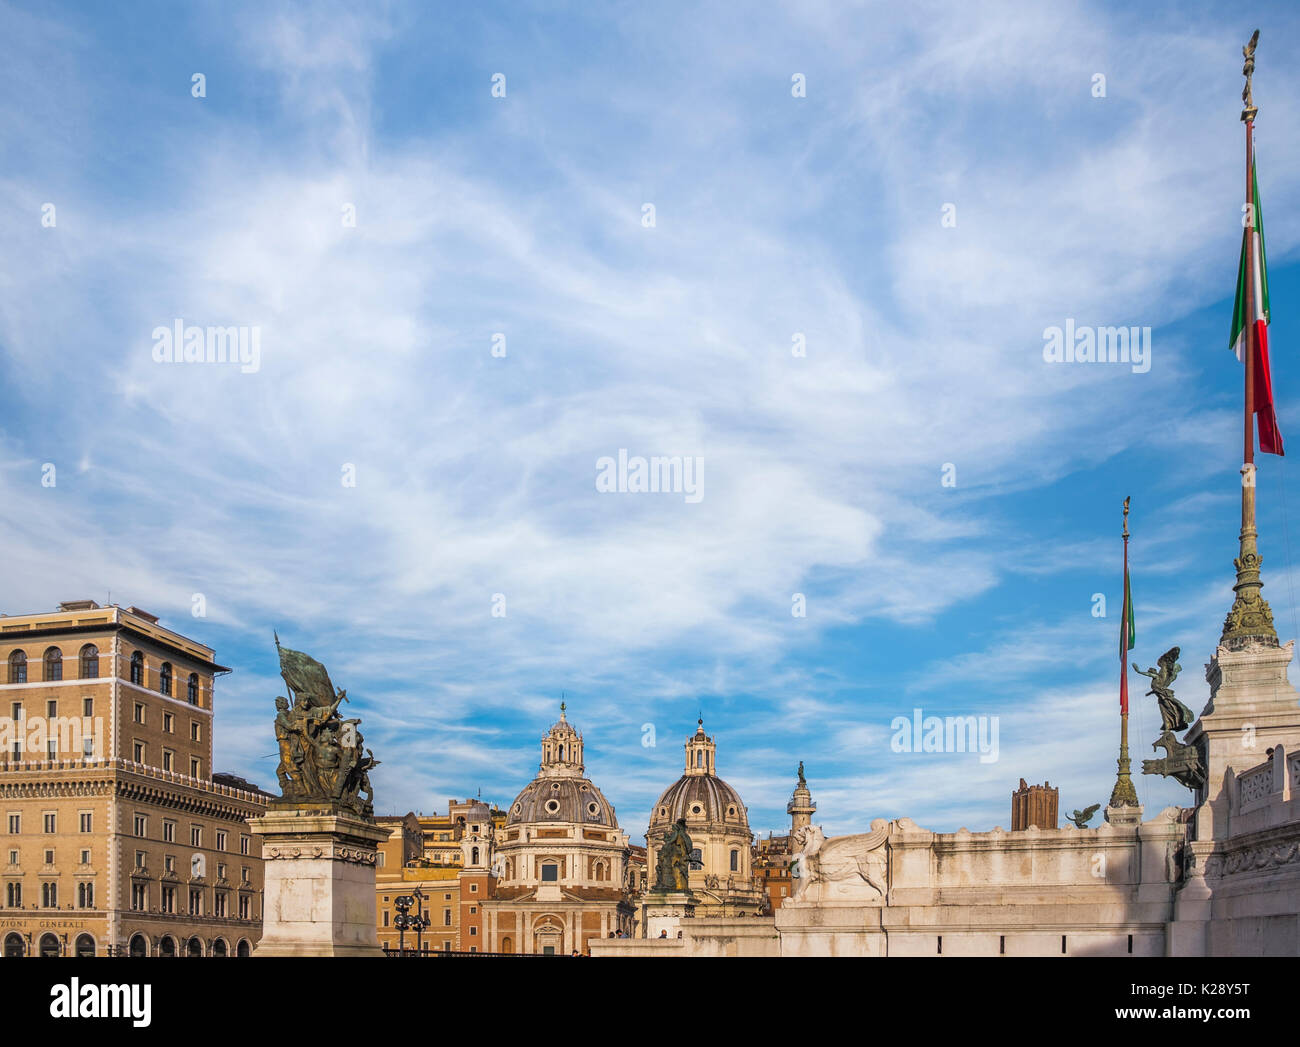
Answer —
(1251, 311)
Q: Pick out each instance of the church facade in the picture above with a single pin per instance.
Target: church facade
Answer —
(558, 875)
(722, 875)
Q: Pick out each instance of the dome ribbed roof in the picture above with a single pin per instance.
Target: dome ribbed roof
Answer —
(562, 800)
(699, 798)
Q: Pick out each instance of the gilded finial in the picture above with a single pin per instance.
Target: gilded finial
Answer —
(1248, 70)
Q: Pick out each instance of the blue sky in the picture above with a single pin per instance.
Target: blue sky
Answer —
(774, 215)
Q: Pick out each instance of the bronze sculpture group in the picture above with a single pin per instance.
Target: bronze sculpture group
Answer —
(1182, 761)
(322, 756)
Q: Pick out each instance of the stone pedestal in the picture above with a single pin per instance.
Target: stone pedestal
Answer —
(319, 866)
(665, 910)
(1252, 708)
(1127, 815)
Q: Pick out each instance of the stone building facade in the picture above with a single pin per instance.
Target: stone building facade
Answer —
(116, 835)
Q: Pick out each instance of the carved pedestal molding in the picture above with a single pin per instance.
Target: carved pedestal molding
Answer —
(320, 881)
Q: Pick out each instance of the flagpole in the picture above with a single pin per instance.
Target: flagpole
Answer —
(1124, 794)
(1250, 620)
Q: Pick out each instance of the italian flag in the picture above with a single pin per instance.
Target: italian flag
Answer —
(1127, 636)
(1255, 313)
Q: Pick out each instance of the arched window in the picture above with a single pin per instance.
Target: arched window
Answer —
(53, 664)
(89, 662)
(49, 895)
(167, 947)
(507, 946)
(165, 678)
(193, 689)
(86, 895)
(699, 758)
(194, 947)
(14, 895)
(473, 856)
(14, 945)
(49, 945)
(138, 946)
(219, 947)
(18, 667)
(85, 945)
(243, 948)
(735, 861)
(137, 669)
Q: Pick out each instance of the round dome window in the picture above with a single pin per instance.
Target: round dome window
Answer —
(696, 809)
(518, 807)
(593, 808)
(552, 806)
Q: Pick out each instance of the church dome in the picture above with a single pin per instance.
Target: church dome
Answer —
(561, 800)
(561, 792)
(699, 798)
(699, 795)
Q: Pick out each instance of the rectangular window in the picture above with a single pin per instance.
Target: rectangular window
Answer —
(139, 712)
(88, 707)
(169, 863)
(169, 760)
(169, 832)
(220, 905)
(169, 899)
(88, 746)
(385, 917)
(221, 841)
(13, 857)
(141, 826)
(51, 710)
(221, 870)
(137, 752)
(139, 897)
(139, 859)
(15, 824)
(196, 902)
(194, 767)
(16, 711)
(50, 821)
(49, 856)
(195, 731)
(245, 907)
(169, 723)
(243, 874)
(196, 836)
(243, 845)
(446, 917)
(550, 873)
(85, 857)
